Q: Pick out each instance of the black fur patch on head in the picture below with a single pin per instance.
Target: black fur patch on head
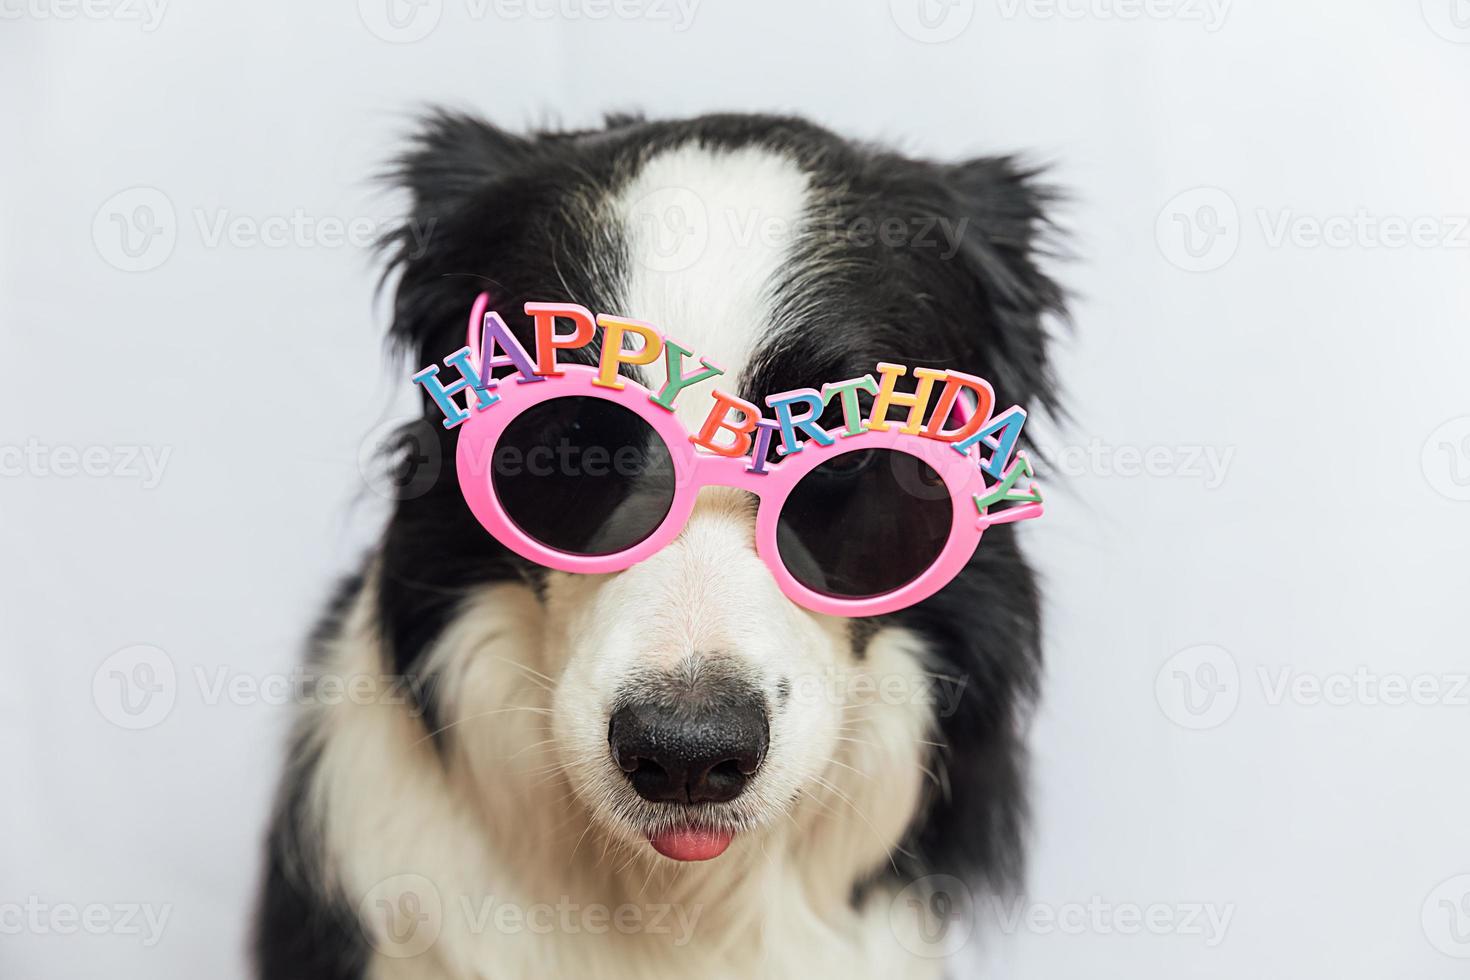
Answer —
(969, 296)
(512, 216)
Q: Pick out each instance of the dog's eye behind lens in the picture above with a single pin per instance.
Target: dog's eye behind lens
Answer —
(583, 475)
(860, 528)
(845, 467)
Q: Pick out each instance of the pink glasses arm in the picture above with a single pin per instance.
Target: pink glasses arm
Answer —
(474, 333)
(963, 410)
(1010, 515)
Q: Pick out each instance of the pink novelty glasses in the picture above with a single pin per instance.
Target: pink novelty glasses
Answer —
(581, 477)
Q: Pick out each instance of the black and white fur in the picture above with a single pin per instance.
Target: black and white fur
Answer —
(492, 776)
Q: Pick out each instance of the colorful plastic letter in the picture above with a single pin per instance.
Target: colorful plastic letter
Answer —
(493, 332)
(763, 431)
(1000, 436)
(677, 380)
(613, 354)
(984, 404)
(718, 419)
(789, 422)
(441, 393)
(852, 412)
(548, 341)
(1003, 491)
(887, 396)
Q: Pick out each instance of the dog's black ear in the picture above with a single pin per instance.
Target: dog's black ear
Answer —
(618, 120)
(999, 216)
(454, 157)
(995, 309)
(463, 177)
(472, 195)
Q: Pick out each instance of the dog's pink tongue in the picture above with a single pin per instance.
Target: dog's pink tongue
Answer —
(691, 843)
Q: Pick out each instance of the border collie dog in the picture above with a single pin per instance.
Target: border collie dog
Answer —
(477, 822)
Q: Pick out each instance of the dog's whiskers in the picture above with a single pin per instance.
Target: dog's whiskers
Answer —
(855, 741)
(550, 682)
(832, 761)
(482, 714)
(573, 856)
(888, 850)
(524, 749)
(652, 867)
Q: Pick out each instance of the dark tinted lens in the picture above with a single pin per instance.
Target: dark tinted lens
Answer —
(583, 475)
(864, 523)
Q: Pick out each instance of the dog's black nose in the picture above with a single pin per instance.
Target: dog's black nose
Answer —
(683, 753)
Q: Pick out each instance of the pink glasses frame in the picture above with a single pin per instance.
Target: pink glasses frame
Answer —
(695, 469)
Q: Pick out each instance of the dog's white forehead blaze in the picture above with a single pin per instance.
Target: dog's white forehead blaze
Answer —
(709, 236)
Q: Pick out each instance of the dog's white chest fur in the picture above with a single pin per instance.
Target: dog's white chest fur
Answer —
(483, 862)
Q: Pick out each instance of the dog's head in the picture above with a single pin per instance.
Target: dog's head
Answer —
(688, 697)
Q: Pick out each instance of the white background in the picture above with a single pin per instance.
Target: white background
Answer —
(1331, 378)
